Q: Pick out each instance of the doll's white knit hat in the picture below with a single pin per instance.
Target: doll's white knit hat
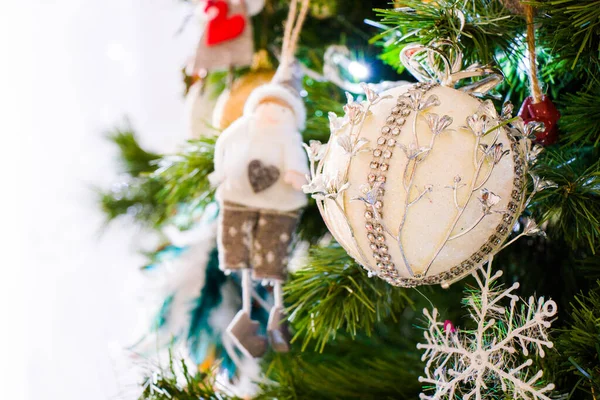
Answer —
(285, 86)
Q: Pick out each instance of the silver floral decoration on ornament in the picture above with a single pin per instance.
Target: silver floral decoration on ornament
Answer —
(489, 150)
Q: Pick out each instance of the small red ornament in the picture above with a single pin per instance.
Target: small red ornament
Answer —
(449, 327)
(222, 28)
(545, 112)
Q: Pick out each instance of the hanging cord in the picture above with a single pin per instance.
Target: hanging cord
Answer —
(293, 26)
(536, 91)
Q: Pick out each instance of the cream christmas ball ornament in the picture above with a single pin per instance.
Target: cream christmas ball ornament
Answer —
(422, 183)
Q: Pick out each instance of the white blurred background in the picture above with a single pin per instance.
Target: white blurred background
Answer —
(69, 290)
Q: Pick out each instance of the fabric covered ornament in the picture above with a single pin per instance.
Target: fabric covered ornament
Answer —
(227, 39)
(260, 168)
(421, 183)
(230, 104)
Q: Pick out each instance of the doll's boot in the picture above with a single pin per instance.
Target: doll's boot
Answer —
(243, 331)
(277, 330)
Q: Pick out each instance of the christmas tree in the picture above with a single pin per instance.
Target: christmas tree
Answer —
(362, 316)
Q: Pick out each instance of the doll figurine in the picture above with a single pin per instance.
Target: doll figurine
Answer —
(260, 167)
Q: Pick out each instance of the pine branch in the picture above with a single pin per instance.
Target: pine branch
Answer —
(571, 29)
(165, 384)
(578, 345)
(178, 185)
(335, 294)
(580, 118)
(135, 197)
(185, 177)
(489, 28)
(322, 98)
(572, 209)
(133, 158)
(516, 87)
(384, 366)
(311, 227)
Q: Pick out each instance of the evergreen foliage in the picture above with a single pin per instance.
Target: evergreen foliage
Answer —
(571, 30)
(486, 30)
(354, 337)
(335, 294)
(579, 344)
(572, 208)
(178, 382)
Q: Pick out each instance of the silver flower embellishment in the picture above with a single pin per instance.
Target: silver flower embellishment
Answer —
(370, 195)
(438, 124)
(507, 111)
(372, 97)
(496, 152)
(488, 200)
(315, 150)
(353, 110)
(478, 124)
(528, 130)
(414, 99)
(336, 123)
(414, 152)
(315, 186)
(345, 143)
(532, 229)
(533, 154)
(533, 127)
(487, 108)
(320, 188)
(370, 93)
(539, 184)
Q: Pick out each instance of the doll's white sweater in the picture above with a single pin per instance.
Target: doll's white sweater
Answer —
(242, 143)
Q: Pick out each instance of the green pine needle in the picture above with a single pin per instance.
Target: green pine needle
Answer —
(166, 384)
(133, 158)
(135, 197)
(580, 118)
(185, 176)
(489, 28)
(579, 343)
(573, 207)
(384, 366)
(571, 29)
(176, 182)
(333, 293)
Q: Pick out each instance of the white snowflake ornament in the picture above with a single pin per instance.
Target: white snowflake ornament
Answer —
(478, 364)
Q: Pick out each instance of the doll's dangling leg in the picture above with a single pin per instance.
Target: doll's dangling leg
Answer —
(276, 328)
(271, 251)
(236, 227)
(243, 329)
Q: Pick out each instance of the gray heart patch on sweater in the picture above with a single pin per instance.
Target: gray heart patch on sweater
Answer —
(261, 176)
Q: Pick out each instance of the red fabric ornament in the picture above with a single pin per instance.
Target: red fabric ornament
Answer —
(222, 28)
(545, 112)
